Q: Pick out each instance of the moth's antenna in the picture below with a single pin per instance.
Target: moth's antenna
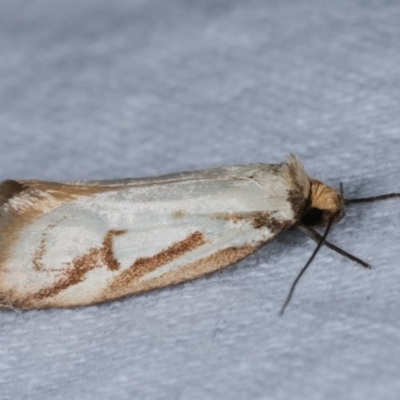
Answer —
(370, 199)
(317, 237)
(294, 284)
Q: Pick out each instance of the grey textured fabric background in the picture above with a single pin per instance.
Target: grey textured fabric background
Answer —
(100, 89)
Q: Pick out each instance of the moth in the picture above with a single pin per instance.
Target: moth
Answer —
(79, 243)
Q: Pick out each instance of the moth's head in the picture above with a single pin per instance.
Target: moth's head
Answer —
(325, 203)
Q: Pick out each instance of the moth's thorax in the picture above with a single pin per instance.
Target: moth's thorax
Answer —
(325, 203)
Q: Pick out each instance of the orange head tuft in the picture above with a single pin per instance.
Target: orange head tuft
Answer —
(325, 203)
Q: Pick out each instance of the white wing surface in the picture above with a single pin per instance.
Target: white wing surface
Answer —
(71, 244)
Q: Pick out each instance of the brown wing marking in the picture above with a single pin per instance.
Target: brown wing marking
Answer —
(257, 219)
(40, 251)
(196, 269)
(144, 265)
(81, 265)
(106, 251)
(22, 202)
(178, 214)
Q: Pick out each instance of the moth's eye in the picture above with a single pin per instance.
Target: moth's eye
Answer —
(314, 216)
